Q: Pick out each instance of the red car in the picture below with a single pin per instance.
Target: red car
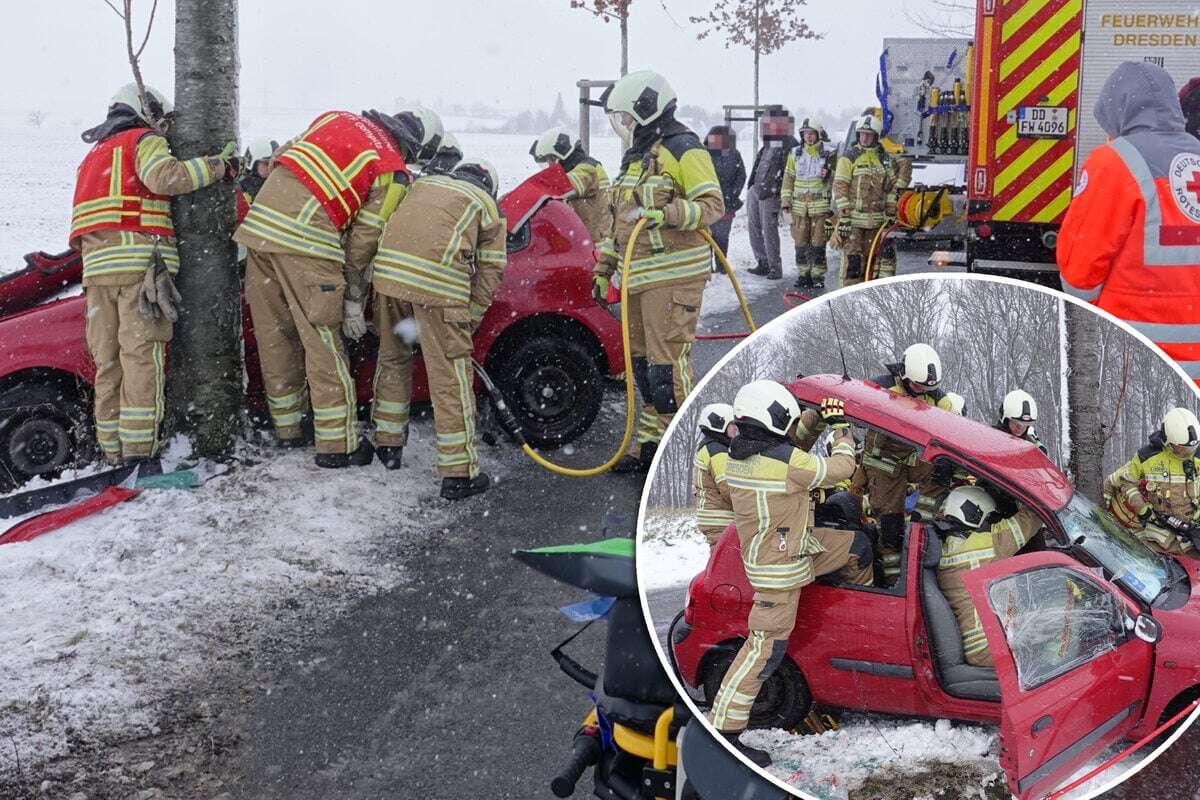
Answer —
(1094, 636)
(545, 341)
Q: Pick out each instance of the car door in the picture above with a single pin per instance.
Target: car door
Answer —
(1073, 677)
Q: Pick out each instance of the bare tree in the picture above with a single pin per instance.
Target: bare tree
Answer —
(948, 18)
(206, 375)
(764, 26)
(1083, 386)
(35, 118)
(125, 12)
(609, 10)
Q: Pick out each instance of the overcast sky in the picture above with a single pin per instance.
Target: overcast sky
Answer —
(67, 56)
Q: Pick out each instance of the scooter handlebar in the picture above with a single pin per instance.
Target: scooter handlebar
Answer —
(585, 753)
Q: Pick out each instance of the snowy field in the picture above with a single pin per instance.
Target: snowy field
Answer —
(868, 756)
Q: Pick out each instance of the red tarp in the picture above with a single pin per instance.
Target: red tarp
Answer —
(520, 204)
(34, 527)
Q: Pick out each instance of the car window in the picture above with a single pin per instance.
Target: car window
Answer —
(1054, 620)
(1130, 562)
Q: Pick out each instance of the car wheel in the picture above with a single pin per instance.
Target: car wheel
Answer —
(783, 702)
(554, 388)
(36, 434)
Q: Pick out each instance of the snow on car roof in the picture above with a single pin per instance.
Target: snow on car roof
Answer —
(1018, 462)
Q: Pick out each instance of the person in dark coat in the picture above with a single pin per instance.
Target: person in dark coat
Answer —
(1189, 103)
(766, 183)
(721, 142)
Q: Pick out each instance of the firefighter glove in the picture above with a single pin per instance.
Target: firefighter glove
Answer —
(654, 217)
(600, 289)
(354, 322)
(228, 150)
(833, 413)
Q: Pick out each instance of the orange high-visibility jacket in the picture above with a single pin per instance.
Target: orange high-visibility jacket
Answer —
(1130, 242)
(109, 195)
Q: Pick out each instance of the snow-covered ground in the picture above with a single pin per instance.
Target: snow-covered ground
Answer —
(104, 619)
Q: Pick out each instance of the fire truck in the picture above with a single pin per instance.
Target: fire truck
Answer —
(1038, 69)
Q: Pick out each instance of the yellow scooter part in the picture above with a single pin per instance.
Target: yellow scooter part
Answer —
(630, 396)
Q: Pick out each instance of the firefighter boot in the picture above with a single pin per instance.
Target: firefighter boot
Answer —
(760, 757)
(392, 457)
(629, 464)
(462, 488)
(361, 457)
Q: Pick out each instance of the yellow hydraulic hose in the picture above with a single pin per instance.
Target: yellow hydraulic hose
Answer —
(631, 409)
(869, 273)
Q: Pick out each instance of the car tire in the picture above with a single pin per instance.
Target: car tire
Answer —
(783, 702)
(553, 386)
(37, 434)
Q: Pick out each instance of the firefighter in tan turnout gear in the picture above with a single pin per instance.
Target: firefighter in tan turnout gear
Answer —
(667, 178)
(1157, 493)
(770, 481)
(971, 538)
(121, 222)
(714, 511)
(311, 232)
(591, 197)
(865, 189)
(1018, 412)
(807, 186)
(440, 261)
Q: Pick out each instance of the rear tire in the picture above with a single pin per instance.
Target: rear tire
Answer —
(39, 435)
(554, 386)
(783, 702)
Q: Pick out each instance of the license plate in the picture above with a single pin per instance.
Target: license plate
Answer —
(1042, 122)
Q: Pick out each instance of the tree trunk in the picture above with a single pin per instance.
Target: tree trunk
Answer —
(1083, 381)
(205, 385)
(625, 42)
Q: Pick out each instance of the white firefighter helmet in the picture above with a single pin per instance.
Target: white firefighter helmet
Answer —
(260, 149)
(480, 172)
(970, 505)
(869, 123)
(450, 142)
(922, 365)
(159, 104)
(431, 137)
(1180, 427)
(643, 95)
(958, 403)
(554, 145)
(716, 417)
(767, 403)
(809, 124)
(1019, 405)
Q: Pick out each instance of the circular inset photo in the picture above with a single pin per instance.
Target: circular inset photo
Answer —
(933, 537)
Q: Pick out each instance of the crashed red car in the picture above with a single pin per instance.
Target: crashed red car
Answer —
(1094, 635)
(545, 340)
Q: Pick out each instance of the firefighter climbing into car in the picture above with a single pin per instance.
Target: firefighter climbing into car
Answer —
(1018, 413)
(866, 186)
(667, 179)
(1156, 494)
(973, 533)
(590, 196)
(311, 233)
(770, 480)
(806, 196)
(121, 222)
(440, 261)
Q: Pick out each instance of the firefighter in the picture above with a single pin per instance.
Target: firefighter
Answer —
(591, 196)
(891, 465)
(449, 153)
(765, 187)
(865, 186)
(1157, 493)
(1130, 242)
(714, 511)
(1018, 412)
(311, 233)
(807, 188)
(440, 261)
(667, 179)
(121, 222)
(258, 161)
(971, 538)
(721, 142)
(958, 403)
(770, 481)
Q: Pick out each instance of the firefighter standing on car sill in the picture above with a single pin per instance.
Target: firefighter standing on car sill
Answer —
(865, 188)
(1018, 412)
(311, 232)
(770, 481)
(971, 538)
(891, 465)
(121, 222)
(1130, 242)
(591, 195)
(1157, 493)
(440, 262)
(667, 178)
(807, 191)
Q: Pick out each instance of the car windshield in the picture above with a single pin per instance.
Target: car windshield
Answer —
(1129, 562)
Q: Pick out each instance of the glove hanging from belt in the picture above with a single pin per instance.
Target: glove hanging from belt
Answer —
(157, 295)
